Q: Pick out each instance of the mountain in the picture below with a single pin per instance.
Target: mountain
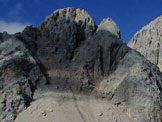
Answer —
(148, 41)
(69, 69)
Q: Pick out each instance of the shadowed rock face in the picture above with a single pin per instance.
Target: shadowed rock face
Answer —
(90, 69)
(60, 36)
(148, 41)
(20, 75)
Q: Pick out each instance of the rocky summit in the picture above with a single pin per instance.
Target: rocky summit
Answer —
(71, 70)
(148, 41)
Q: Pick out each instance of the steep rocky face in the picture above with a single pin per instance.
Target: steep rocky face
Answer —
(20, 75)
(148, 41)
(99, 56)
(69, 17)
(111, 71)
(60, 35)
(110, 26)
(93, 75)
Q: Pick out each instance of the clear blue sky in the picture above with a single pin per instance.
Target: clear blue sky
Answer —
(130, 15)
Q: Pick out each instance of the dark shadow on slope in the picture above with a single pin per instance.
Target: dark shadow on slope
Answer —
(96, 59)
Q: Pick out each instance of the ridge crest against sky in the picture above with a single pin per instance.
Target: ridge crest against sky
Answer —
(130, 15)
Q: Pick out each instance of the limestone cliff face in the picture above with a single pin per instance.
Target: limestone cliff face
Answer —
(92, 74)
(148, 41)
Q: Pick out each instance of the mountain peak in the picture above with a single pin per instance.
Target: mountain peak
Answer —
(110, 26)
(68, 15)
(150, 36)
(66, 71)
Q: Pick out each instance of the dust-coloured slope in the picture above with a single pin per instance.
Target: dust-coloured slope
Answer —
(94, 76)
(148, 41)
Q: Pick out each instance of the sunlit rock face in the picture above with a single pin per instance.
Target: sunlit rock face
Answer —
(148, 41)
(63, 17)
(73, 70)
(110, 26)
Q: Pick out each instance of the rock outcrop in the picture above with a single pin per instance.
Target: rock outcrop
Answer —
(20, 75)
(148, 41)
(110, 26)
(93, 75)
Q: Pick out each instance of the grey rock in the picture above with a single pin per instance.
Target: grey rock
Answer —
(110, 26)
(81, 59)
(64, 30)
(66, 17)
(17, 67)
(127, 77)
(148, 41)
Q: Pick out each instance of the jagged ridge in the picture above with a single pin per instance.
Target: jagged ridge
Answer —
(90, 70)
